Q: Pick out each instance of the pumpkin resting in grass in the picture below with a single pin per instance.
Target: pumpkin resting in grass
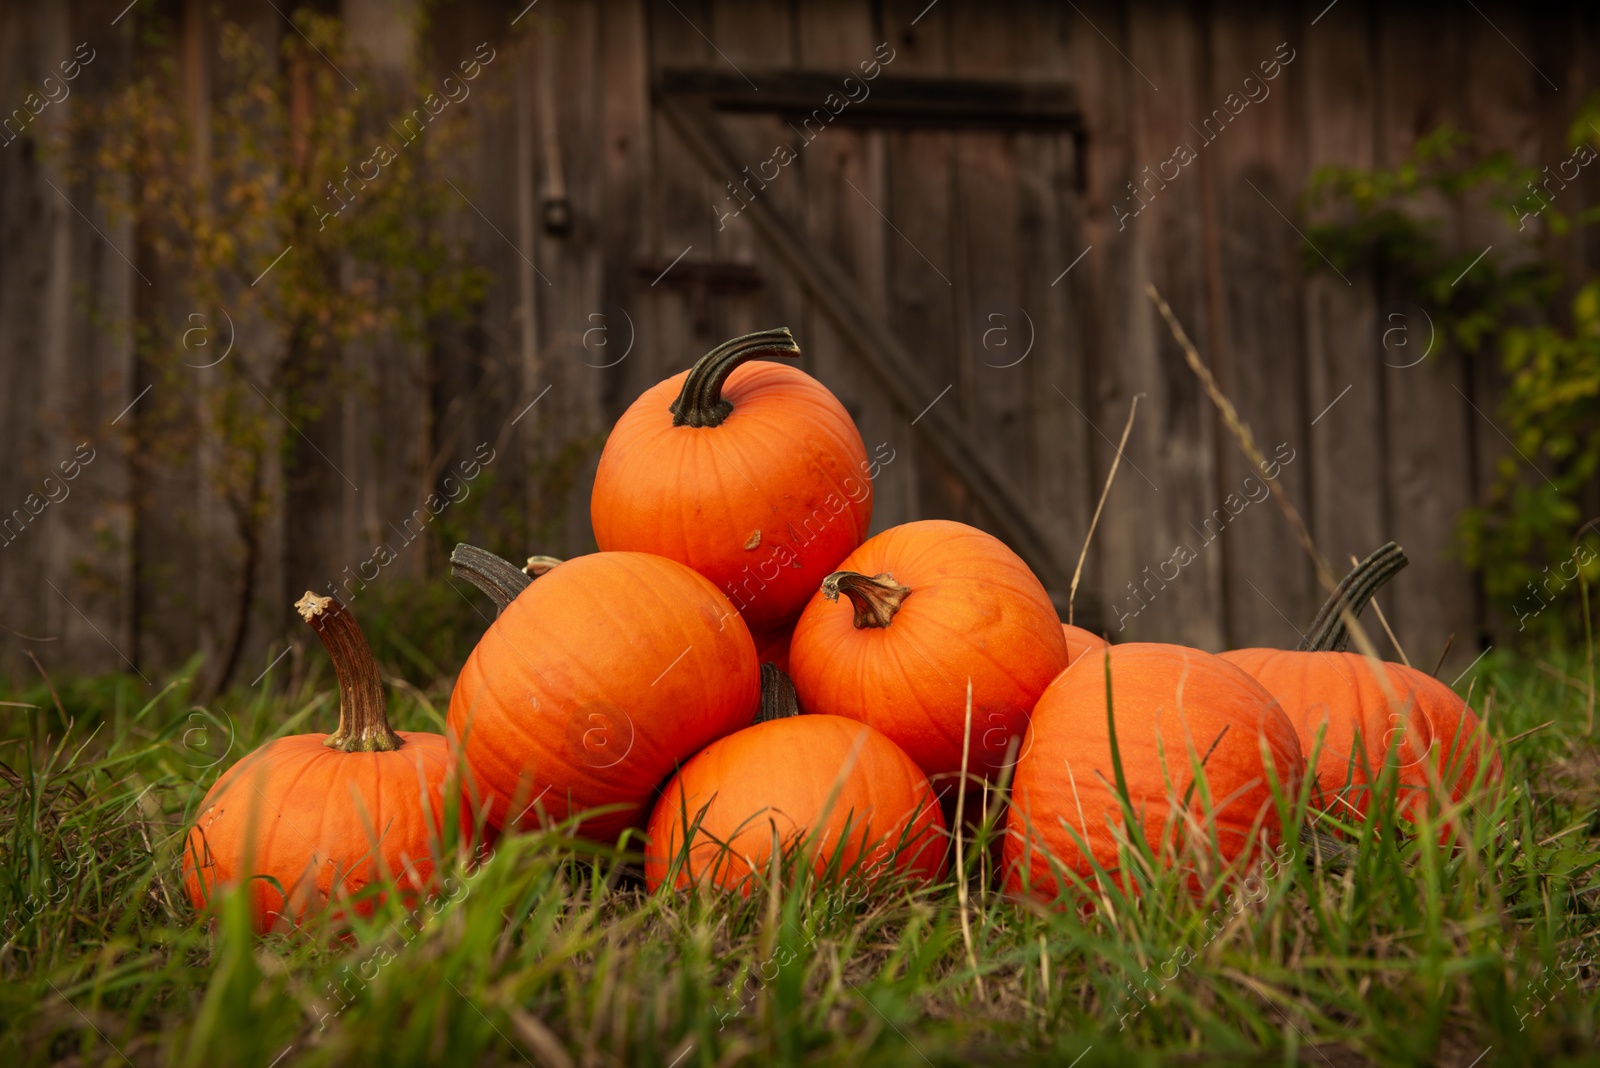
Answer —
(753, 476)
(594, 684)
(931, 605)
(1080, 641)
(324, 815)
(1173, 704)
(775, 780)
(1432, 732)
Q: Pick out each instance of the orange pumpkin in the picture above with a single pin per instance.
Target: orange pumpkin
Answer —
(1432, 732)
(931, 605)
(1172, 705)
(848, 794)
(594, 684)
(310, 819)
(753, 476)
(1080, 641)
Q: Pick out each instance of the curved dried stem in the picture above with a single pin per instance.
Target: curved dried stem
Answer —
(700, 402)
(500, 579)
(363, 718)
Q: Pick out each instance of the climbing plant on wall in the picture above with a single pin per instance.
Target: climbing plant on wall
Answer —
(1518, 304)
(303, 199)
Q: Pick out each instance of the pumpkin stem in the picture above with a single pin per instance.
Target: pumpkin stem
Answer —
(538, 565)
(875, 599)
(500, 579)
(363, 720)
(778, 698)
(1328, 632)
(700, 403)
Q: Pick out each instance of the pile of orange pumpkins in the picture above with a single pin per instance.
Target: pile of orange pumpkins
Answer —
(623, 691)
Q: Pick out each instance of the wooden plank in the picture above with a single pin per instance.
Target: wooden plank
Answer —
(163, 427)
(1249, 147)
(884, 347)
(1049, 233)
(918, 211)
(219, 613)
(256, 345)
(1565, 49)
(68, 558)
(53, 536)
(757, 36)
(992, 326)
(1344, 450)
(683, 195)
(895, 100)
(21, 286)
(477, 379)
(1428, 439)
(1503, 110)
(1097, 272)
(1162, 500)
(843, 170)
(572, 262)
(531, 86)
(109, 359)
(627, 227)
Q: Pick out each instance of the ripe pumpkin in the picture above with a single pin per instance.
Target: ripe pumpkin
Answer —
(1431, 730)
(1170, 703)
(310, 819)
(594, 684)
(932, 604)
(843, 789)
(1080, 641)
(753, 476)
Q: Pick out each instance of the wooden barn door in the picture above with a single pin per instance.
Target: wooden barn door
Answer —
(909, 220)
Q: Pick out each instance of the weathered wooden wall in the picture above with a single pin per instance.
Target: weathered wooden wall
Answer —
(960, 239)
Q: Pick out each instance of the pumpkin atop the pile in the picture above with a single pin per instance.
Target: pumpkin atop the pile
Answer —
(750, 472)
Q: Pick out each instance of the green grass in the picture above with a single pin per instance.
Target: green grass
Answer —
(553, 953)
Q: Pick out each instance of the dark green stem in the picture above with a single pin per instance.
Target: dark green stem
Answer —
(778, 699)
(363, 720)
(1329, 631)
(500, 579)
(700, 403)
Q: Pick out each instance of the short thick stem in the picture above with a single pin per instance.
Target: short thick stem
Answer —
(700, 402)
(363, 720)
(875, 599)
(1329, 632)
(500, 579)
(778, 698)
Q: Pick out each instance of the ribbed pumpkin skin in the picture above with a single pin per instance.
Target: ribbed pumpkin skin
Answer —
(1080, 641)
(781, 774)
(315, 812)
(975, 611)
(788, 462)
(1342, 690)
(1168, 699)
(594, 684)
